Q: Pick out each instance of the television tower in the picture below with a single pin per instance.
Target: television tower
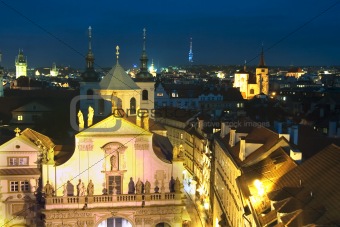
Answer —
(190, 52)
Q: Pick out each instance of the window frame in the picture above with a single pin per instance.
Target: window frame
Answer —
(17, 161)
(15, 186)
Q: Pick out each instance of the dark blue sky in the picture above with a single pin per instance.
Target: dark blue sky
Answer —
(224, 32)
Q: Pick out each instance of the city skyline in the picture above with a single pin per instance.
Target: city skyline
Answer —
(302, 33)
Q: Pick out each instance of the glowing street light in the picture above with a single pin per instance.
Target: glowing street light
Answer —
(259, 186)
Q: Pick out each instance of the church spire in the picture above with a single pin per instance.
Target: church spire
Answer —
(143, 73)
(261, 63)
(90, 75)
(90, 56)
(144, 58)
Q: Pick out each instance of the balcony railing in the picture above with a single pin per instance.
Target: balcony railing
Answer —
(73, 202)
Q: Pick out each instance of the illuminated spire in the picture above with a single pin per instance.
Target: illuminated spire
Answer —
(90, 37)
(90, 56)
(144, 57)
(117, 52)
(144, 39)
(191, 55)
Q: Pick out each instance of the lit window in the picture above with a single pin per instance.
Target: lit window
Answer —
(181, 136)
(12, 161)
(159, 94)
(18, 161)
(20, 118)
(23, 161)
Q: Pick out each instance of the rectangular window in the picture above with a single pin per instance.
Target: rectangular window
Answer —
(115, 185)
(20, 118)
(24, 186)
(23, 161)
(159, 94)
(18, 161)
(12, 161)
(35, 117)
(14, 186)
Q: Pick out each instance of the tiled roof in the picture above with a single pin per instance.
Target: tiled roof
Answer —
(268, 138)
(320, 182)
(19, 171)
(268, 171)
(33, 136)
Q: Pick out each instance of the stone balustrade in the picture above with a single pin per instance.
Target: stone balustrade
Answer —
(97, 201)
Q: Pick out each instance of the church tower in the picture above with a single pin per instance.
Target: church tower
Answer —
(21, 64)
(90, 80)
(145, 80)
(262, 75)
(1, 78)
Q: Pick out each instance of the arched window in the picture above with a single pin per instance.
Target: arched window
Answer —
(132, 106)
(251, 91)
(145, 95)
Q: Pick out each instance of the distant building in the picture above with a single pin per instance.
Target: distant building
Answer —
(54, 71)
(21, 64)
(247, 83)
(250, 84)
(29, 114)
(295, 72)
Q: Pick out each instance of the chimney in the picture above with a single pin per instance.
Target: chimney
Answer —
(138, 119)
(296, 155)
(200, 124)
(225, 129)
(146, 123)
(242, 154)
(295, 132)
(222, 130)
(232, 138)
(278, 127)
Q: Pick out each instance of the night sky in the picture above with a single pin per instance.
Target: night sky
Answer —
(224, 32)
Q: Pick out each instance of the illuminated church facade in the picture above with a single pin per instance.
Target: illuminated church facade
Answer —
(123, 171)
(250, 84)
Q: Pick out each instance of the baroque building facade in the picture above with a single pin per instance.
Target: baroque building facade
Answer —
(120, 171)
